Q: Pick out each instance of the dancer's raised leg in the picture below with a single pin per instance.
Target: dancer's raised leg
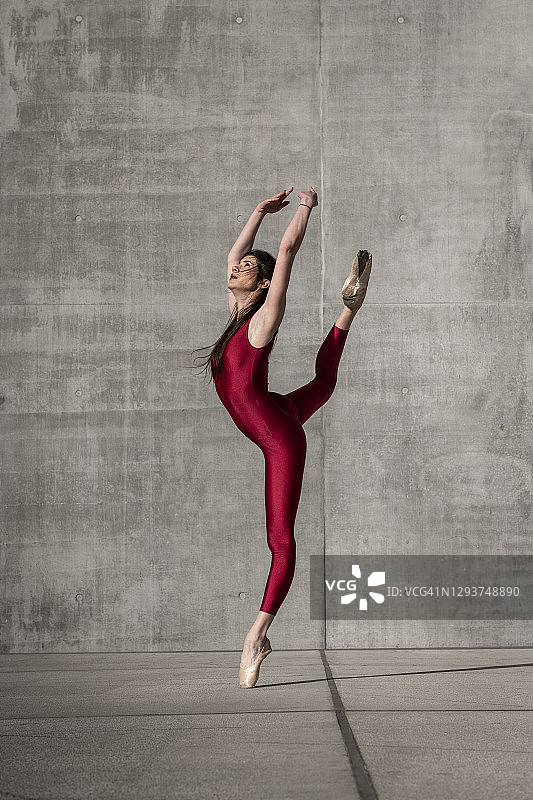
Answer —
(310, 397)
(345, 319)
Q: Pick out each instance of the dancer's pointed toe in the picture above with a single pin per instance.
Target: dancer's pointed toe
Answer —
(248, 676)
(355, 285)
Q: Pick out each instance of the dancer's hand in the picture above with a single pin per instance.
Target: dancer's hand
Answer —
(275, 203)
(309, 197)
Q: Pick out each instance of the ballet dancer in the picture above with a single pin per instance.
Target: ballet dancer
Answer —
(257, 286)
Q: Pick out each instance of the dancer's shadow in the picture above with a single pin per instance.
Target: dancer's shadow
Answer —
(335, 678)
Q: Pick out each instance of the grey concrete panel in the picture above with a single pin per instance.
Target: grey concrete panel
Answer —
(127, 684)
(135, 146)
(428, 119)
(433, 679)
(457, 729)
(446, 633)
(439, 422)
(192, 757)
(138, 247)
(74, 358)
(145, 540)
(446, 756)
(437, 401)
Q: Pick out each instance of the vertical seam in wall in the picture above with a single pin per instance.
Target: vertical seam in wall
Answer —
(322, 282)
(322, 187)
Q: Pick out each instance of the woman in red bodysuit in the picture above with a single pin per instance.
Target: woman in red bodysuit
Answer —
(257, 285)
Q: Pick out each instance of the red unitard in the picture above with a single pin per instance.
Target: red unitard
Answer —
(274, 423)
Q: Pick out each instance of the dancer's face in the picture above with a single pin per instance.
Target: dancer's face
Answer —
(245, 275)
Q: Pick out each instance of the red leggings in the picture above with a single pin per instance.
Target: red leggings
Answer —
(284, 467)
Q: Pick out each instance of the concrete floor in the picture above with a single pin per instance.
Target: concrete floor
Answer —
(391, 724)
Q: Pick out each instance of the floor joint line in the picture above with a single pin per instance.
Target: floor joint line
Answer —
(360, 771)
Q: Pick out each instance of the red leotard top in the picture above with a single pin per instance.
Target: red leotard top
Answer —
(242, 385)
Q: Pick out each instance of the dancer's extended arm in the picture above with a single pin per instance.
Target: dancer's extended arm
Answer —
(245, 240)
(289, 246)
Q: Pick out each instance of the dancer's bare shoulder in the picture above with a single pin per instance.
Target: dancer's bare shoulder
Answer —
(263, 325)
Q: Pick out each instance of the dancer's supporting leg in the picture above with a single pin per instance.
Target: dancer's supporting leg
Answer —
(284, 469)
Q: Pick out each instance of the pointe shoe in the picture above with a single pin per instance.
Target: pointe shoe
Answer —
(355, 285)
(248, 675)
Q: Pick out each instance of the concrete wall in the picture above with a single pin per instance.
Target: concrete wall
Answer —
(136, 139)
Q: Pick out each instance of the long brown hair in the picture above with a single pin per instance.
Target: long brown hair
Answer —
(213, 360)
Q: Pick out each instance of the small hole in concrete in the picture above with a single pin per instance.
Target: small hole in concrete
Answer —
(78, 218)
(242, 595)
(401, 20)
(405, 390)
(78, 392)
(239, 217)
(403, 217)
(79, 18)
(238, 20)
